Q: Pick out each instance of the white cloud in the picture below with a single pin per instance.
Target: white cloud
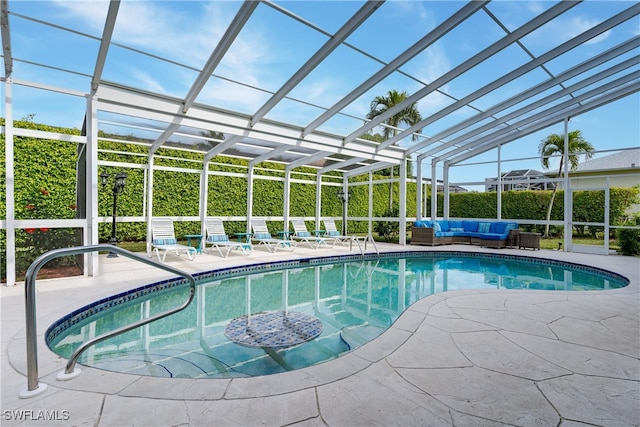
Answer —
(188, 34)
(147, 82)
(562, 29)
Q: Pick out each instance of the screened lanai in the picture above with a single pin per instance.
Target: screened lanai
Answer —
(292, 83)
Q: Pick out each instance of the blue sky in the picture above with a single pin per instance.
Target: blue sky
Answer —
(273, 46)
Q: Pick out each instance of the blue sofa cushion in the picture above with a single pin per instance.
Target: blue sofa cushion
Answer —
(484, 227)
(423, 223)
(500, 227)
(510, 226)
(444, 225)
(454, 224)
(470, 226)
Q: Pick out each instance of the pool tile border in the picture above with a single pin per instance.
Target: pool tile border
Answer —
(54, 330)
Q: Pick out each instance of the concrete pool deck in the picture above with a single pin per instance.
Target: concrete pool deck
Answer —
(474, 357)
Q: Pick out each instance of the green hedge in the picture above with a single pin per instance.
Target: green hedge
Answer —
(45, 183)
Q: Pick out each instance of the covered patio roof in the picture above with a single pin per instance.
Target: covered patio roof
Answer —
(292, 81)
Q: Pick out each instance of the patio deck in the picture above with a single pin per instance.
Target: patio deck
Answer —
(475, 357)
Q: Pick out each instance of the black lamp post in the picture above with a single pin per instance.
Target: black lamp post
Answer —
(118, 186)
(344, 196)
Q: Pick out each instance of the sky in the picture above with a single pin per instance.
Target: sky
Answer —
(180, 36)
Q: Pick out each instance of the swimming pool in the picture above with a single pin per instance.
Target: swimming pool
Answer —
(267, 318)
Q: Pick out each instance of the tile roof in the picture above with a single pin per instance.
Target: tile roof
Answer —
(620, 160)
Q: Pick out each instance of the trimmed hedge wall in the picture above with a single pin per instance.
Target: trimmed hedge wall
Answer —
(45, 187)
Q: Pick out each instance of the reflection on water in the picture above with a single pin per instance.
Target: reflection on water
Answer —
(355, 301)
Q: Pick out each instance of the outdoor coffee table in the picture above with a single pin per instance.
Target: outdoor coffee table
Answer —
(529, 240)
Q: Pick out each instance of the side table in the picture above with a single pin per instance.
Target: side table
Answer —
(244, 236)
(286, 236)
(529, 240)
(198, 238)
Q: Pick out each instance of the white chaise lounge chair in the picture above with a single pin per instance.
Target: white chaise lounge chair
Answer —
(332, 231)
(217, 238)
(164, 239)
(301, 234)
(263, 237)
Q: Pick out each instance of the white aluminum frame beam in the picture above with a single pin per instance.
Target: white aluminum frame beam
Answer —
(370, 168)
(456, 19)
(579, 69)
(539, 103)
(496, 47)
(241, 18)
(347, 29)
(518, 72)
(518, 130)
(220, 148)
(122, 101)
(305, 160)
(6, 38)
(342, 164)
(585, 66)
(268, 155)
(105, 41)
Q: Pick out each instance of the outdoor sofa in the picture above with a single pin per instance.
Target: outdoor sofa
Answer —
(492, 234)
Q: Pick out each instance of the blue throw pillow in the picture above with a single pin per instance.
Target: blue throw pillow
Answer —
(262, 236)
(500, 227)
(303, 234)
(168, 241)
(458, 229)
(436, 227)
(470, 226)
(218, 238)
(333, 233)
(483, 227)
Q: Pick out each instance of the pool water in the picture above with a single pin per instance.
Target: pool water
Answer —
(346, 304)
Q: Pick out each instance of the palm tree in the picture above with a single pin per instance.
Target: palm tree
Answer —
(554, 144)
(409, 116)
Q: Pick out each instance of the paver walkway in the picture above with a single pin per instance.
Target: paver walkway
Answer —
(477, 358)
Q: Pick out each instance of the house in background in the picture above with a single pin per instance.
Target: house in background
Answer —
(521, 179)
(621, 168)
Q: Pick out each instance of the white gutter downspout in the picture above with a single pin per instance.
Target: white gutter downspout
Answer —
(568, 202)
(434, 191)
(403, 202)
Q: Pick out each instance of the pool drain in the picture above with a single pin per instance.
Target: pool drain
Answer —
(273, 329)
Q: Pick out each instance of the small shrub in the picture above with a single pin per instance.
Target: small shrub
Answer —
(388, 229)
(629, 241)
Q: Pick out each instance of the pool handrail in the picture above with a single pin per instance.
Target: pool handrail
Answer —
(365, 240)
(33, 387)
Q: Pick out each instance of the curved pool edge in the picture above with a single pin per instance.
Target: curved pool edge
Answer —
(252, 268)
(391, 342)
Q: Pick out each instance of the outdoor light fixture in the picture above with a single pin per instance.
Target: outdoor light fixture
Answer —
(118, 186)
(344, 196)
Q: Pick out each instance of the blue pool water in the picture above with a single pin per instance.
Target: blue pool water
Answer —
(270, 318)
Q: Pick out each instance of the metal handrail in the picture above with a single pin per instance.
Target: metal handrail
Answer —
(368, 238)
(30, 306)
